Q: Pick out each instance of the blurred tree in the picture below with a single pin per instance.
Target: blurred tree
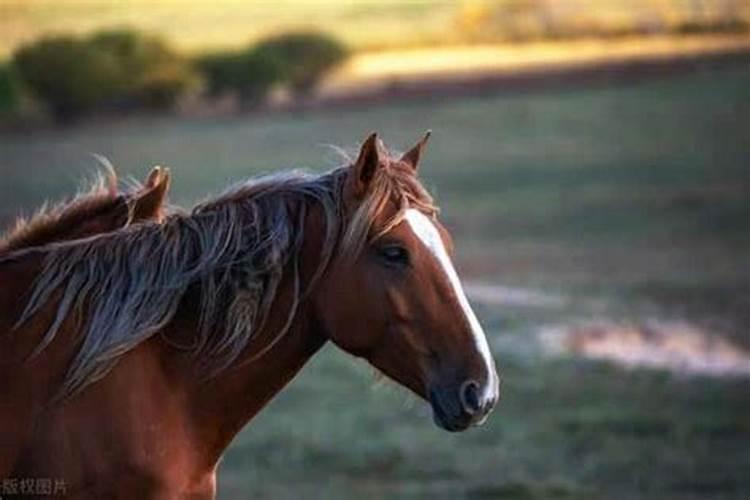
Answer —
(152, 74)
(70, 76)
(10, 93)
(120, 68)
(301, 59)
(247, 73)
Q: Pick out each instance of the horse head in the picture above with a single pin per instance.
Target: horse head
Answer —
(394, 298)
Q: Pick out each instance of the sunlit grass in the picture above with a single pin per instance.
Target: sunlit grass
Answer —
(199, 25)
(386, 66)
(196, 26)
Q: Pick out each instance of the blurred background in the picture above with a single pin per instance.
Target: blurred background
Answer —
(592, 160)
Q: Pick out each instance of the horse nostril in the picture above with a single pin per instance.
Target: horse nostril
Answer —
(469, 395)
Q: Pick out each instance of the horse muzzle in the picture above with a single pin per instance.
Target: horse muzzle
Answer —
(456, 407)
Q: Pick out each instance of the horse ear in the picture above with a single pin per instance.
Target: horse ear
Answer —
(148, 205)
(413, 156)
(366, 165)
(154, 177)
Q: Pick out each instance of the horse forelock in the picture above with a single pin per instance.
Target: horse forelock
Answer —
(393, 184)
(236, 247)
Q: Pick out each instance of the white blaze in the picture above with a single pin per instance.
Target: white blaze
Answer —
(429, 235)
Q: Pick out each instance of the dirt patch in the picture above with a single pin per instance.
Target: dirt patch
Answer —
(674, 346)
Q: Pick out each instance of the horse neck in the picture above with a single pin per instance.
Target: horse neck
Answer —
(221, 406)
(17, 274)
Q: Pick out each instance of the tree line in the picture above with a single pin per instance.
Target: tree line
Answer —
(70, 77)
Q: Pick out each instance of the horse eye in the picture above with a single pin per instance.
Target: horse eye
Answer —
(394, 254)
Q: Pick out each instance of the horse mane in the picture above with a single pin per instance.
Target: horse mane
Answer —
(235, 248)
(52, 220)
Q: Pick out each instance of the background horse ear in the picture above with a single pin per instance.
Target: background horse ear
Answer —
(413, 156)
(154, 177)
(148, 204)
(365, 167)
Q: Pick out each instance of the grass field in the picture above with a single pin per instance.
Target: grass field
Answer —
(197, 25)
(433, 63)
(631, 202)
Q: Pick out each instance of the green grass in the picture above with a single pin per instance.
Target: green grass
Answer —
(631, 202)
(563, 430)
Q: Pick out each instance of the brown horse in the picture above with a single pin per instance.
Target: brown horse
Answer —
(100, 209)
(162, 341)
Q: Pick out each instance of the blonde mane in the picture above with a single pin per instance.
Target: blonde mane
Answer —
(235, 248)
